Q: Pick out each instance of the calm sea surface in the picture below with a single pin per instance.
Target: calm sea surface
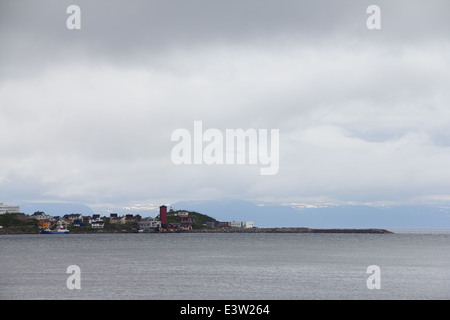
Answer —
(226, 266)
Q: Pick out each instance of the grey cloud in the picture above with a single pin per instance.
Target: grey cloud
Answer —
(92, 110)
(125, 31)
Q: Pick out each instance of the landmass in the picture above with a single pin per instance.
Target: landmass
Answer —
(177, 221)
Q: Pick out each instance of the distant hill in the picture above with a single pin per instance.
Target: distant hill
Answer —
(240, 210)
(197, 218)
(56, 209)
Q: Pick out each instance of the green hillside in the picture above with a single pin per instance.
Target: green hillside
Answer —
(198, 218)
(18, 223)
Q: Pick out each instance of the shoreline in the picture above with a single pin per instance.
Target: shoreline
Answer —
(237, 230)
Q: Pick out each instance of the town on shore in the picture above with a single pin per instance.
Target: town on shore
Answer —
(168, 221)
(12, 221)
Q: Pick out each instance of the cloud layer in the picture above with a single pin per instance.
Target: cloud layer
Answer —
(87, 115)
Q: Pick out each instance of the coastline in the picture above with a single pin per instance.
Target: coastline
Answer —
(233, 230)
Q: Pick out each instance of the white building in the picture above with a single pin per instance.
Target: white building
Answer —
(8, 209)
(99, 224)
(241, 224)
(248, 224)
(41, 216)
(149, 224)
(183, 213)
(73, 216)
(235, 224)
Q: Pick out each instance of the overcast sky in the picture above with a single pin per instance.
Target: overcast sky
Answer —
(87, 115)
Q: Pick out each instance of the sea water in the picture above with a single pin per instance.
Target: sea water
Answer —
(262, 266)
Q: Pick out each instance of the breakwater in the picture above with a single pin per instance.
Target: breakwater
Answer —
(290, 230)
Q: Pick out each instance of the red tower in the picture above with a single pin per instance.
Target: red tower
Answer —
(163, 216)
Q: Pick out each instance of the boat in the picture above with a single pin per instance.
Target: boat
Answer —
(58, 230)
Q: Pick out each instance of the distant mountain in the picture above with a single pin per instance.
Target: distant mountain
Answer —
(56, 209)
(345, 216)
(240, 210)
(267, 215)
